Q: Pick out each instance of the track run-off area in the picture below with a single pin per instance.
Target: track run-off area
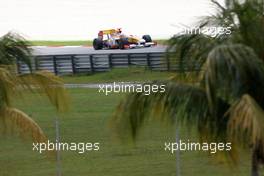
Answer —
(72, 50)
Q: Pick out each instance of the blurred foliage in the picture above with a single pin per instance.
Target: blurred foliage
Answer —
(226, 101)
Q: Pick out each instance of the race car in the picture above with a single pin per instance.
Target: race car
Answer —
(114, 39)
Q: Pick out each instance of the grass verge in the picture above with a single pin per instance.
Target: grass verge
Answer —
(88, 122)
(133, 74)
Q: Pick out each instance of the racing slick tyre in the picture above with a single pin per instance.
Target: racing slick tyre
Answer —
(122, 43)
(147, 38)
(98, 44)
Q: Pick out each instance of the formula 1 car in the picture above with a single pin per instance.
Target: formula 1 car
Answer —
(114, 39)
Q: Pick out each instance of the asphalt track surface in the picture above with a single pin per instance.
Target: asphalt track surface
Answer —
(72, 50)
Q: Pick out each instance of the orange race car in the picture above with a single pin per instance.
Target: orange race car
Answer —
(114, 39)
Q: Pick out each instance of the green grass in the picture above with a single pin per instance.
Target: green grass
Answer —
(88, 122)
(74, 42)
(162, 41)
(119, 75)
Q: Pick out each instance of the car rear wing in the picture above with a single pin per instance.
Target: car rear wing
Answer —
(109, 31)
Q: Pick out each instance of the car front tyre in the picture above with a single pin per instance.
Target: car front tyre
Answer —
(147, 38)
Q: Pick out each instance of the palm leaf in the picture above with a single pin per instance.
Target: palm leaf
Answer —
(40, 82)
(250, 16)
(189, 51)
(7, 87)
(245, 127)
(232, 71)
(246, 123)
(223, 16)
(49, 84)
(15, 120)
(180, 103)
(14, 47)
(244, 18)
(12, 85)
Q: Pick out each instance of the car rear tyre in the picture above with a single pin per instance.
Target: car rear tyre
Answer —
(147, 38)
(123, 42)
(98, 44)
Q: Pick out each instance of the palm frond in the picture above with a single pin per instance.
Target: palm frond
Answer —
(16, 121)
(7, 87)
(14, 47)
(245, 19)
(232, 71)
(180, 103)
(246, 123)
(191, 78)
(40, 82)
(250, 15)
(189, 51)
(49, 84)
(222, 17)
